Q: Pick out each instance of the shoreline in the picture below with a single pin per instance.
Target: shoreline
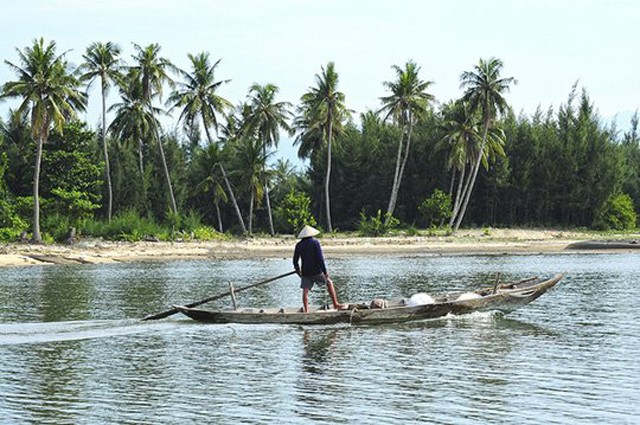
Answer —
(466, 242)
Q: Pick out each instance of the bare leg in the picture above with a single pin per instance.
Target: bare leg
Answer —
(305, 299)
(332, 293)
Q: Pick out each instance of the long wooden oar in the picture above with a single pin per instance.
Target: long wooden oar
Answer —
(215, 297)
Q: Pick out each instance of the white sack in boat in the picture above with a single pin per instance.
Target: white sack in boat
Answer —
(420, 298)
(468, 296)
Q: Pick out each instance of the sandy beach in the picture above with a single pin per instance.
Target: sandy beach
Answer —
(466, 242)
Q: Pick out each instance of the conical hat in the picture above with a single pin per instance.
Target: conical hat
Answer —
(308, 231)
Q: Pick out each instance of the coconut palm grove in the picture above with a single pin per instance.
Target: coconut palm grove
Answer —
(171, 158)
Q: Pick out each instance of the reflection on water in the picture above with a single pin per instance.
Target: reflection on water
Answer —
(73, 350)
(317, 347)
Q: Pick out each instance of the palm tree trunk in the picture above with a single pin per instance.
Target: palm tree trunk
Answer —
(396, 191)
(143, 198)
(476, 167)
(463, 194)
(167, 176)
(140, 161)
(266, 191)
(407, 148)
(233, 199)
(452, 182)
(466, 195)
(266, 194)
(226, 180)
(217, 204)
(459, 195)
(251, 198)
(328, 176)
(37, 238)
(394, 188)
(106, 155)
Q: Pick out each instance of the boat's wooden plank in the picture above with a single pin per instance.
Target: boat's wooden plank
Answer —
(505, 299)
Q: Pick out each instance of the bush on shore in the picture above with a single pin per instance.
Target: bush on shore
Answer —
(127, 226)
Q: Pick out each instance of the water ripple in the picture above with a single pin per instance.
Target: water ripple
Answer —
(73, 351)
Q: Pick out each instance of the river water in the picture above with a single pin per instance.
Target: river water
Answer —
(73, 350)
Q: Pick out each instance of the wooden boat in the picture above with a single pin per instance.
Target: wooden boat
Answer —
(500, 297)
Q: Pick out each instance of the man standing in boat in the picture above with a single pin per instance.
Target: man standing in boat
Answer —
(313, 269)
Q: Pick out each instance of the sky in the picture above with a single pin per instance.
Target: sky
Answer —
(547, 45)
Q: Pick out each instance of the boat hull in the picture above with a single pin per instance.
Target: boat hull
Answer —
(504, 298)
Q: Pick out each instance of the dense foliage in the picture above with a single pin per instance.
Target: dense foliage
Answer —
(563, 168)
(437, 209)
(295, 211)
(617, 214)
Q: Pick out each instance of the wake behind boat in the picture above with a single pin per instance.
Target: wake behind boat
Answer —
(500, 297)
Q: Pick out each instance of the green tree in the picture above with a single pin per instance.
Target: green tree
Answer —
(265, 119)
(361, 163)
(128, 194)
(19, 147)
(406, 104)
(176, 159)
(197, 95)
(208, 178)
(437, 208)
(102, 61)
(535, 183)
(617, 213)
(135, 122)
(377, 225)
(73, 183)
(484, 92)
(231, 133)
(461, 137)
(251, 161)
(10, 223)
(152, 71)
(51, 93)
(596, 166)
(631, 148)
(322, 113)
(285, 178)
(295, 210)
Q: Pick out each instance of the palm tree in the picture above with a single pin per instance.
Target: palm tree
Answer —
(406, 104)
(265, 118)
(18, 141)
(285, 177)
(210, 157)
(461, 139)
(484, 92)
(251, 164)
(152, 70)
(197, 96)
(309, 140)
(102, 60)
(134, 120)
(52, 95)
(322, 114)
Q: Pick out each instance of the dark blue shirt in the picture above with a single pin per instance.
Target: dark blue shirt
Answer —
(309, 250)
